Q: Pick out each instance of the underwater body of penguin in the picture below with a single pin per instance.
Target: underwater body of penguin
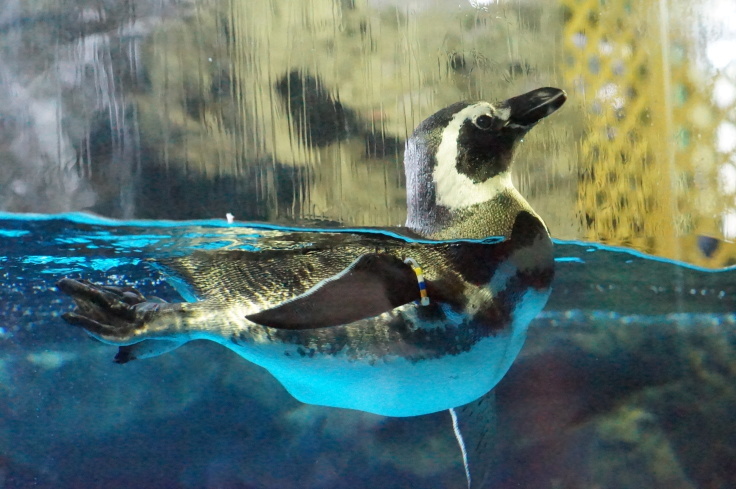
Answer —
(369, 320)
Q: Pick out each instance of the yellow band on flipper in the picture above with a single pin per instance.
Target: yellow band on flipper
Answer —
(423, 297)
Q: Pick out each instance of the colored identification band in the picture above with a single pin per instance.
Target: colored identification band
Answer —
(423, 297)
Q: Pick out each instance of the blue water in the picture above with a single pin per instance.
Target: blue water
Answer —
(631, 367)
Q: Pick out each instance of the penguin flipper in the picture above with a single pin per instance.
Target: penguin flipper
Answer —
(373, 284)
(475, 426)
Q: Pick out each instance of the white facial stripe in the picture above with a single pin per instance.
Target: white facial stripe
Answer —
(455, 190)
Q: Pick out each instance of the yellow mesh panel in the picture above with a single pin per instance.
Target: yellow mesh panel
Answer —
(651, 173)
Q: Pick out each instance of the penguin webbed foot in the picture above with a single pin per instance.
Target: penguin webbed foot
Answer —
(107, 312)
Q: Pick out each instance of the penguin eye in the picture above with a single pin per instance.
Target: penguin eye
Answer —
(483, 122)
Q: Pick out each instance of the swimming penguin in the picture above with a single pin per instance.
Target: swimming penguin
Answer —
(406, 322)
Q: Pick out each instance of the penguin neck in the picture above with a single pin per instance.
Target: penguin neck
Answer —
(492, 217)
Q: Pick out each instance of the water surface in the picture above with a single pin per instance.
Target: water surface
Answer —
(627, 380)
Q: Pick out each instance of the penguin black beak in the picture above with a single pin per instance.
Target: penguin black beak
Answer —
(531, 107)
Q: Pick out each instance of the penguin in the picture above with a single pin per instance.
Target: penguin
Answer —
(398, 322)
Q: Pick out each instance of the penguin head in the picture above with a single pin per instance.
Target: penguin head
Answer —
(460, 156)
